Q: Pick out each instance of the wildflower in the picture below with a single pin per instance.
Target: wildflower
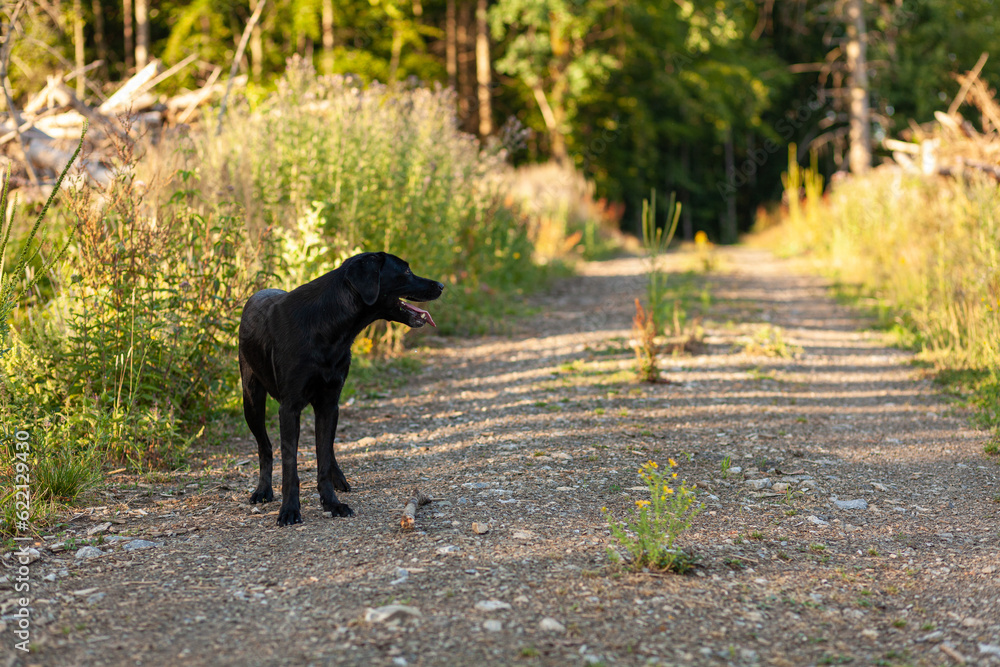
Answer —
(674, 475)
(641, 503)
(673, 464)
(651, 464)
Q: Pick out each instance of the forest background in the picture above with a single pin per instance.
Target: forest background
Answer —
(688, 96)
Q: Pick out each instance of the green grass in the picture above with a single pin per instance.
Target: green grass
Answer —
(769, 341)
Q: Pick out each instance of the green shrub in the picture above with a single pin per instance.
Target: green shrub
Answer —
(32, 478)
(141, 324)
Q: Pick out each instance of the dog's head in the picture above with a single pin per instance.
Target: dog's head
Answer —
(382, 282)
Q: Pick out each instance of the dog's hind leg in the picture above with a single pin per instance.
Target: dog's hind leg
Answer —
(329, 476)
(254, 404)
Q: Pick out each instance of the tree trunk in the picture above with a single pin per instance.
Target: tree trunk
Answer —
(81, 60)
(129, 46)
(256, 53)
(328, 41)
(730, 233)
(100, 45)
(395, 53)
(465, 92)
(483, 71)
(860, 156)
(141, 33)
(557, 143)
(451, 62)
(687, 223)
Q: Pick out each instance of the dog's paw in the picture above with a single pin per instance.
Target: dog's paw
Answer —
(261, 496)
(288, 516)
(339, 509)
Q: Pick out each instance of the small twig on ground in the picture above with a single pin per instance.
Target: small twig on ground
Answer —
(409, 517)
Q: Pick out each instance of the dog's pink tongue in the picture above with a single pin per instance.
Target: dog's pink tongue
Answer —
(420, 312)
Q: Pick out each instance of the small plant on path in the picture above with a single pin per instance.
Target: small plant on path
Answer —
(648, 322)
(656, 523)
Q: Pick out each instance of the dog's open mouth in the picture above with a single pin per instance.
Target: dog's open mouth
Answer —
(422, 315)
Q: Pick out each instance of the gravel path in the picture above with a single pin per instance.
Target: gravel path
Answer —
(524, 438)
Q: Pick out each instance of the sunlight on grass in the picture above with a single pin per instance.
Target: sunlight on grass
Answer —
(925, 251)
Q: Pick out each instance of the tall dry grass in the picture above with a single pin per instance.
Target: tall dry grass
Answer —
(927, 250)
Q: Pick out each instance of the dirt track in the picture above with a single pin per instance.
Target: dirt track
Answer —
(531, 435)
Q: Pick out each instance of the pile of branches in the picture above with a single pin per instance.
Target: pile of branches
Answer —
(36, 142)
(952, 145)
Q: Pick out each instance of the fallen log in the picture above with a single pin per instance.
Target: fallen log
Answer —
(409, 518)
(43, 154)
(199, 97)
(27, 125)
(123, 97)
(52, 95)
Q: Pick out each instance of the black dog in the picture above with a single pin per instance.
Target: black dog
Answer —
(296, 346)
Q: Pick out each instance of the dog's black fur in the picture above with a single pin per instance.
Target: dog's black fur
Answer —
(296, 346)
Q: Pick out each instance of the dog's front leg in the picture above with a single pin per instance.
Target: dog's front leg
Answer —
(329, 476)
(288, 419)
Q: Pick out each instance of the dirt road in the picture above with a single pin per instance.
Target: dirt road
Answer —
(528, 436)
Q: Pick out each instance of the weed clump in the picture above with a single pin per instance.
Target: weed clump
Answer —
(656, 523)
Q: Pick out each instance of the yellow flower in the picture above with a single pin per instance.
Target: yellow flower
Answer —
(641, 503)
(670, 490)
(674, 475)
(651, 464)
(604, 509)
(673, 464)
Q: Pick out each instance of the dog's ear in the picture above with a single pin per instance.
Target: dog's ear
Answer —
(363, 275)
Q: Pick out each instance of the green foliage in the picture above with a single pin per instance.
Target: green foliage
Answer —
(689, 72)
(381, 41)
(993, 446)
(141, 314)
(553, 48)
(724, 467)
(141, 324)
(656, 523)
(48, 479)
(769, 341)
